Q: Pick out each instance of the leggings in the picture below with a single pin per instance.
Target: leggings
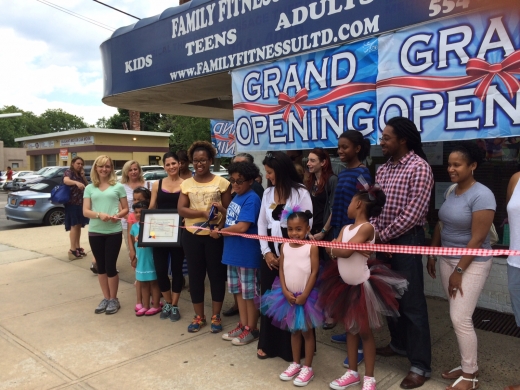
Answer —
(462, 307)
(204, 254)
(105, 248)
(160, 261)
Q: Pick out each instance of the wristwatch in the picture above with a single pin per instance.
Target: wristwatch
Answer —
(459, 270)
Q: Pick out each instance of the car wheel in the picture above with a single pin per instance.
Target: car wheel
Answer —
(54, 217)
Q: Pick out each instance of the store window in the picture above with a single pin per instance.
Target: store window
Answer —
(50, 160)
(38, 162)
(15, 165)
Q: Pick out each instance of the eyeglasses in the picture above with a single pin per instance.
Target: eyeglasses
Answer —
(239, 181)
(385, 139)
(270, 155)
(201, 162)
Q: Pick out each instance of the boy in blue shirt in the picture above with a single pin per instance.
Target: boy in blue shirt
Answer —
(242, 255)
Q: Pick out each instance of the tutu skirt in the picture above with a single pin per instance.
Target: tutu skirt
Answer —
(361, 307)
(290, 317)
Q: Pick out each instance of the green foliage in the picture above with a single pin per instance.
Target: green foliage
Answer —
(185, 130)
(31, 124)
(149, 120)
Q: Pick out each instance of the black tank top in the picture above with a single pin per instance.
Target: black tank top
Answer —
(166, 200)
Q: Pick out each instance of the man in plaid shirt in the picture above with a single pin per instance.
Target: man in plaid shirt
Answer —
(407, 181)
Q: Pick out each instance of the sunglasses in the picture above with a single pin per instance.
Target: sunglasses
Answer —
(239, 181)
(270, 155)
(142, 189)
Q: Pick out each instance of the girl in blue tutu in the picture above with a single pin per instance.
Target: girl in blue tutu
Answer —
(291, 303)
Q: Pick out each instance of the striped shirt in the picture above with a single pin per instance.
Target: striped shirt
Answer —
(407, 185)
(345, 191)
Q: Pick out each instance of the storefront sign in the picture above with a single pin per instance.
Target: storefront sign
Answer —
(223, 137)
(86, 140)
(456, 79)
(307, 101)
(39, 145)
(216, 36)
(64, 154)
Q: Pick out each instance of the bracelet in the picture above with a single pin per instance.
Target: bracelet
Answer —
(432, 257)
(331, 255)
(97, 215)
(323, 231)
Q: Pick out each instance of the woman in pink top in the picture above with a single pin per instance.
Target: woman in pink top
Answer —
(359, 293)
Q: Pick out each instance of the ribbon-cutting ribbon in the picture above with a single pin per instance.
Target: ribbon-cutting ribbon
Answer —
(476, 70)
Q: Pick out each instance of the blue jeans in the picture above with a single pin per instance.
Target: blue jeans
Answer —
(410, 333)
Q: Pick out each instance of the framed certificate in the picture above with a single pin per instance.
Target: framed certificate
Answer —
(160, 228)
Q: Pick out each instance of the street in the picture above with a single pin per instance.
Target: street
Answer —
(5, 224)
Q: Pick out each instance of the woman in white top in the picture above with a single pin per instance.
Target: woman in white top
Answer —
(287, 191)
(131, 178)
(513, 262)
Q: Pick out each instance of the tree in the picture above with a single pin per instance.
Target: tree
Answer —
(59, 120)
(101, 123)
(27, 124)
(149, 120)
(185, 130)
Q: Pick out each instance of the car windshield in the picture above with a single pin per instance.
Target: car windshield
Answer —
(50, 172)
(41, 171)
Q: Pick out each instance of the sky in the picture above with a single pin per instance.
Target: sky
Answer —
(50, 59)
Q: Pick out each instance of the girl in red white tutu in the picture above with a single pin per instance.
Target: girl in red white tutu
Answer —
(292, 300)
(359, 291)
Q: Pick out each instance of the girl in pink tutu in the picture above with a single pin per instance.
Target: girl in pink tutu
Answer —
(359, 292)
(292, 300)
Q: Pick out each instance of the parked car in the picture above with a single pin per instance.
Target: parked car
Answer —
(87, 169)
(3, 178)
(35, 206)
(56, 175)
(152, 176)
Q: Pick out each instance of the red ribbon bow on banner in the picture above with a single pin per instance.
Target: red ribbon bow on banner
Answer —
(477, 67)
(288, 102)
(231, 138)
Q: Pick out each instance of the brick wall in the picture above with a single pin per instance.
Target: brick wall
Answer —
(494, 296)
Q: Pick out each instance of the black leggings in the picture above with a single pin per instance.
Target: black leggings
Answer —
(204, 254)
(160, 260)
(105, 249)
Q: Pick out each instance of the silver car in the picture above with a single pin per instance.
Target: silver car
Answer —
(35, 206)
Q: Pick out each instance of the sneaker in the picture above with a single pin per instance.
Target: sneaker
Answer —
(102, 306)
(93, 268)
(175, 314)
(196, 324)
(216, 324)
(233, 333)
(246, 337)
(369, 383)
(360, 358)
(293, 370)
(304, 377)
(350, 378)
(113, 306)
(166, 311)
(339, 338)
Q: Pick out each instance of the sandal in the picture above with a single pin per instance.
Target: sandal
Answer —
(461, 378)
(81, 251)
(74, 254)
(455, 373)
(262, 357)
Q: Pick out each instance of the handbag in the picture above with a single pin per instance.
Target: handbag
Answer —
(60, 194)
(493, 235)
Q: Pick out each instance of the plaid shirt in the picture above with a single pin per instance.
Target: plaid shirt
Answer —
(407, 185)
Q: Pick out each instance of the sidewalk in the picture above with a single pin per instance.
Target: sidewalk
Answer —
(51, 338)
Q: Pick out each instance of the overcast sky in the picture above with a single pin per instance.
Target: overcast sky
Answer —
(50, 59)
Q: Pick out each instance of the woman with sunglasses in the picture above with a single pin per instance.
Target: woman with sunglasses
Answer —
(165, 196)
(204, 253)
(287, 190)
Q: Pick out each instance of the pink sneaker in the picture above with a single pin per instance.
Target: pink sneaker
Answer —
(141, 312)
(152, 311)
(369, 383)
(138, 307)
(291, 372)
(350, 378)
(304, 377)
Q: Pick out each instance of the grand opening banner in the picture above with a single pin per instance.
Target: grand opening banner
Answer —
(223, 137)
(456, 79)
(307, 101)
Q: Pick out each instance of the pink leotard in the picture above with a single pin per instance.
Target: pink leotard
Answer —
(353, 269)
(296, 267)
